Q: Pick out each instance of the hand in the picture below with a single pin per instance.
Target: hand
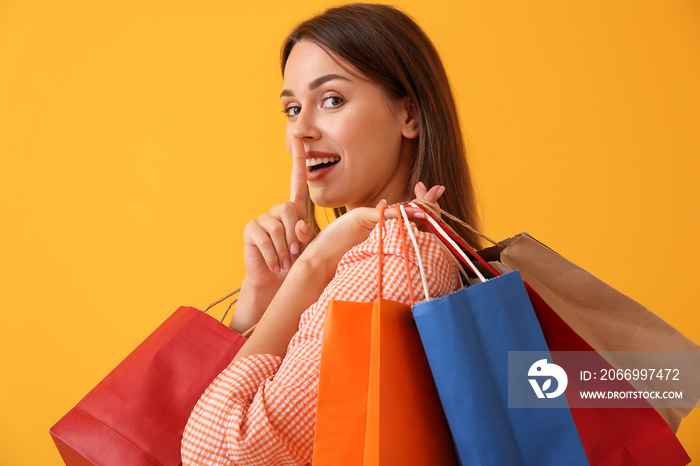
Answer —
(431, 195)
(272, 243)
(275, 240)
(343, 233)
(355, 226)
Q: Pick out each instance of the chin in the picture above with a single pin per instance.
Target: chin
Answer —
(326, 201)
(328, 205)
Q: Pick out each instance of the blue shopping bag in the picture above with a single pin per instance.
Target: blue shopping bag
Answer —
(467, 336)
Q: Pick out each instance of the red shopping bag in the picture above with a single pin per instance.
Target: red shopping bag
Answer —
(611, 436)
(136, 415)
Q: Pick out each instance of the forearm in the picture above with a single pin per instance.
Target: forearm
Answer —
(304, 284)
(251, 305)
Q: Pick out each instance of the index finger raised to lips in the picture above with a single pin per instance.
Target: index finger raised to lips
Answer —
(297, 187)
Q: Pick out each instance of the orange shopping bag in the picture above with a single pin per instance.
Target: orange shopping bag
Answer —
(377, 402)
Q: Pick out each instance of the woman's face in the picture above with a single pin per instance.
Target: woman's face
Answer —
(358, 143)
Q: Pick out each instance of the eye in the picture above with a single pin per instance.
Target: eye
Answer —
(332, 101)
(292, 110)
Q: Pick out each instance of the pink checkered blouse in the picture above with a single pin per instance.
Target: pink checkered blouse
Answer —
(261, 409)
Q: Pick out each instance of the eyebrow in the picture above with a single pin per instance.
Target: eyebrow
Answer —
(316, 83)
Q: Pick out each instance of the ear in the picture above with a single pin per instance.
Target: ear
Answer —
(408, 116)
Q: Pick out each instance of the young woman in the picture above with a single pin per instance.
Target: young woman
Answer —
(371, 121)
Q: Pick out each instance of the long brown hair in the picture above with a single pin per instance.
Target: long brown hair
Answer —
(389, 48)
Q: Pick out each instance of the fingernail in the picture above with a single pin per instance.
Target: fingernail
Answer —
(304, 229)
(422, 185)
(383, 201)
(287, 265)
(441, 191)
(419, 215)
(294, 248)
(276, 269)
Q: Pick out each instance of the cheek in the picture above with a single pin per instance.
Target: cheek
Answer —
(364, 137)
(378, 138)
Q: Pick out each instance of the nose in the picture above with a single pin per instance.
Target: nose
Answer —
(306, 126)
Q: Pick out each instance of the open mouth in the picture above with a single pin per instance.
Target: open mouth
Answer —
(321, 162)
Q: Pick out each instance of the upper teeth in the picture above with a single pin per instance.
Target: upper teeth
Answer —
(319, 161)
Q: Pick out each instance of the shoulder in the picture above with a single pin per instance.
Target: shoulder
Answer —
(397, 250)
(393, 238)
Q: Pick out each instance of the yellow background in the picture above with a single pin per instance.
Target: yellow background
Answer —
(137, 139)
